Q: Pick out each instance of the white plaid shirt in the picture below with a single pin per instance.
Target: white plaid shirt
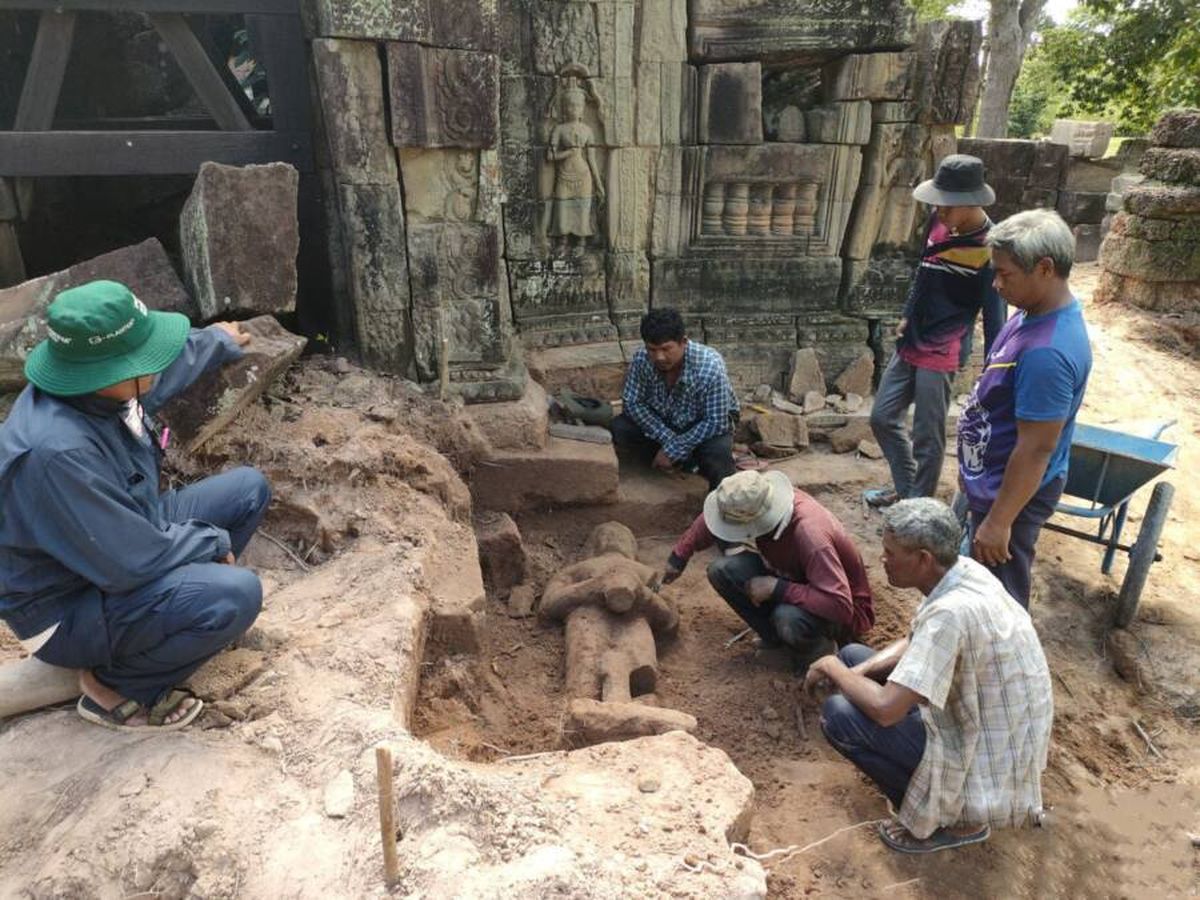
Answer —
(977, 661)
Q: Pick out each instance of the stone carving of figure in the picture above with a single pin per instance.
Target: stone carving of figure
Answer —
(578, 188)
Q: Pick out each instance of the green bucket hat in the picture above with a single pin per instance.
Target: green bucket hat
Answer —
(100, 334)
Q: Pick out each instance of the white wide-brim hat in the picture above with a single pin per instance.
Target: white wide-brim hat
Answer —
(747, 505)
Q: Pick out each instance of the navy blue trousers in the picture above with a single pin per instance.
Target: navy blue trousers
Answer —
(888, 756)
(145, 642)
(772, 621)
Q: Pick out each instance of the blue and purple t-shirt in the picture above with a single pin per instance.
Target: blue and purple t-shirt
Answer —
(1036, 372)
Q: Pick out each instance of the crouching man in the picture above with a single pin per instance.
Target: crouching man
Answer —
(789, 568)
(953, 722)
(98, 571)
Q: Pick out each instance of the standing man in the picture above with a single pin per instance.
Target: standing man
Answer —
(953, 722)
(98, 571)
(678, 405)
(952, 285)
(1014, 437)
(789, 568)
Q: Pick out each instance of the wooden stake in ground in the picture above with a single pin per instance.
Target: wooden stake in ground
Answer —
(387, 813)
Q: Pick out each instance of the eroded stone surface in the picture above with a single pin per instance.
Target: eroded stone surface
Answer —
(239, 237)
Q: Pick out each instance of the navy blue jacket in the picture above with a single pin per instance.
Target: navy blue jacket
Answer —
(79, 501)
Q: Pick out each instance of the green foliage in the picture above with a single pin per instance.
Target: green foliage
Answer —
(1037, 98)
(932, 9)
(1121, 60)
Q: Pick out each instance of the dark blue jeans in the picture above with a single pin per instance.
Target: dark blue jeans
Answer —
(888, 756)
(772, 621)
(1017, 574)
(145, 642)
(713, 458)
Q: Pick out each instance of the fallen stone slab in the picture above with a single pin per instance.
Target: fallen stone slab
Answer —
(780, 429)
(144, 268)
(849, 436)
(563, 473)
(218, 396)
(592, 434)
(516, 424)
(1088, 139)
(597, 722)
(593, 370)
(239, 236)
(857, 377)
(501, 552)
(227, 673)
(28, 684)
(806, 375)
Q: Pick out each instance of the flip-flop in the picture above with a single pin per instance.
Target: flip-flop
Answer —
(942, 839)
(118, 717)
(877, 498)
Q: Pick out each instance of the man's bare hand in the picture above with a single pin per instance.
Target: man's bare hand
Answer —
(234, 330)
(669, 574)
(662, 462)
(761, 588)
(818, 677)
(990, 545)
(900, 327)
(227, 560)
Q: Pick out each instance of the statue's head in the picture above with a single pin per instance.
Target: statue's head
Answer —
(574, 102)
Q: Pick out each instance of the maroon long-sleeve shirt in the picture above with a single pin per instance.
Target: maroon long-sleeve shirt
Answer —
(819, 567)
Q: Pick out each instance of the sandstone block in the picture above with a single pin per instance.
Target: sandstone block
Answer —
(350, 84)
(1049, 165)
(1172, 165)
(441, 185)
(227, 673)
(731, 104)
(521, 601)
(443, 98)
(891, 111)
(1002, 157)
(1091, 175)
(1166, 296)
(464, 24)
(566, 32)
(240, 236)
(501, 552)
(1082, 138)
(1087, 242)
(1176, 128)
(869, 449)
(814, 401)
(516, 425)
(1043, 198)
(144, 268)
(398, 20)
(806, 376)
(1082, 207)
(663, 35)
(780, 429)
(869, 76)
(564, 473)
(839, 123)
(847, 438)
(594, 370)
(596, 722)
(858, 376)
(217, 397)
(371, 239)
(750, 29)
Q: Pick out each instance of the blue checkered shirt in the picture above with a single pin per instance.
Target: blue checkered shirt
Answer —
(697, 408)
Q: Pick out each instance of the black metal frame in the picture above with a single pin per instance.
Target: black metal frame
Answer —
(32, 149)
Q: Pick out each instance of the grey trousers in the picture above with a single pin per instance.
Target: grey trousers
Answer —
(916, 462)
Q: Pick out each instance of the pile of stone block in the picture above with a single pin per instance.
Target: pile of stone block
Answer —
(1151, 257)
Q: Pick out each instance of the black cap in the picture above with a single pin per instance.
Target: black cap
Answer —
(957, 182)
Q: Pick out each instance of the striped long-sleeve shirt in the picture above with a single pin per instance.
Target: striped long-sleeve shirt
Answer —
(681, 417)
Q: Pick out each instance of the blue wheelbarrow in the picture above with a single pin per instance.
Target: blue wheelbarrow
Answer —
(1107, 468)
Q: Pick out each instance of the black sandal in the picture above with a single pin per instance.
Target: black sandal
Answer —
(118, 717)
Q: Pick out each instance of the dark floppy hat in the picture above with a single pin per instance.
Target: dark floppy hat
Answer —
(957, 182)
(100, 334)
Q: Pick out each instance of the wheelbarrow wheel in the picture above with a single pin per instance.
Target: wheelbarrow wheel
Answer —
(1141, 555)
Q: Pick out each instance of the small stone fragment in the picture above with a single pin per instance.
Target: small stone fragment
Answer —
(770, 713)
(648, 784)
(338, 799)
(814, 401)
(773, 730)
(521, 601)
(853, 402)
(134, 786)
(870, 449)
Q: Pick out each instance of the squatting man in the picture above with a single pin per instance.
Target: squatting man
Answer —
(99, 572)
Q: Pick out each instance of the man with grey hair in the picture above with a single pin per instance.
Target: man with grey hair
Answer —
(1014, 437)
(953, 722)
